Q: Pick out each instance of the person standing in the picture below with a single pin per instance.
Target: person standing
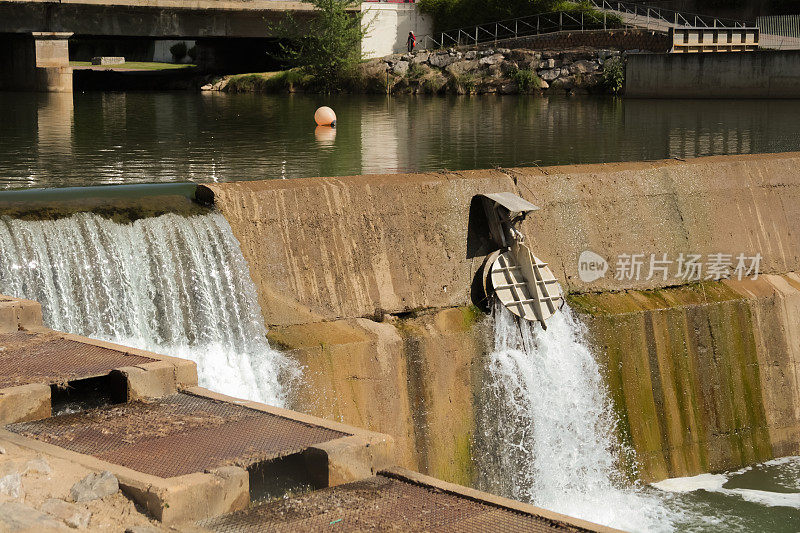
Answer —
(412, 41)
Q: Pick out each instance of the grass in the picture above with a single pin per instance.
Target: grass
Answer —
(268, 81)
(136, 65)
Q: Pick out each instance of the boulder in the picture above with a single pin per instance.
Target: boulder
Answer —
(11, 484)
(508, 88)
(565, 83)
(94, 487)
(583, 66)
(547, 63)
(420, 57)
(73, 515)
(38, 466)
(491, 60)
(550, 75)
(524, 56)
(441, 60)
(18, 517)
(543, 85)
(472, 54)
(460, 67)
(400, 68)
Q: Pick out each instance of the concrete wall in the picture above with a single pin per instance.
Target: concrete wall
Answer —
(388, 25)
(765, 74)
(347, 247)
(366, 280)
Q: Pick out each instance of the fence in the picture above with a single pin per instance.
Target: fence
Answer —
(655, 17)
(519, 27)
(783, 25)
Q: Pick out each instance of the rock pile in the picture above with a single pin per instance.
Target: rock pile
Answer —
(501, 70)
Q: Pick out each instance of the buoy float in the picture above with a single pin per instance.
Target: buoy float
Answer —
(324, 116)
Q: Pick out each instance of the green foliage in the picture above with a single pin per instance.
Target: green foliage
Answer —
(451, 14)
(464, 83)
(178, 51)
(268, 82)
(415, 71)
(328, 47)
(526, 80)
(614, 74)
(192, 53)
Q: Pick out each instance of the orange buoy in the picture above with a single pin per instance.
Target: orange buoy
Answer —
(324, 116)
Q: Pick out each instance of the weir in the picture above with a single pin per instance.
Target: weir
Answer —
(170, 284)
(635, 380)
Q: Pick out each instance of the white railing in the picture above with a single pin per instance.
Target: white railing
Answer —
(549, 22)
(656, 17)
(783, 25)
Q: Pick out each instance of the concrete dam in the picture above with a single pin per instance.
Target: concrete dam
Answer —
(353, 299)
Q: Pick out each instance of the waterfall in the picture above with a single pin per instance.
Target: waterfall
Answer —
(170, 284)
(547, 432)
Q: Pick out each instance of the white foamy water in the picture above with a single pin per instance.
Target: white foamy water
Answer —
(170, 284)
(549, 430)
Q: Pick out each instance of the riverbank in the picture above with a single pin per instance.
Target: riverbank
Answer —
(489, 71)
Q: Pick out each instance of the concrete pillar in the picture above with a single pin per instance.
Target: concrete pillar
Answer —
(36, 62)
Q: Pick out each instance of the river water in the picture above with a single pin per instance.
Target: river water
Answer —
(56, 140)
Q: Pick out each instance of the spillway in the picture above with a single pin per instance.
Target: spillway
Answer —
(171, 284)
(548, 432)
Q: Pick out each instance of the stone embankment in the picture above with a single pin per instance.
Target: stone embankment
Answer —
(501, 70)
(488, 71)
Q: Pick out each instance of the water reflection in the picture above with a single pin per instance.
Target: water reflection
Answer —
(94, 138)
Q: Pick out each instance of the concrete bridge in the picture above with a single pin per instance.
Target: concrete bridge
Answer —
(34, 34)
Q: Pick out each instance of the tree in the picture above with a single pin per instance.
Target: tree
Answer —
(328, 47)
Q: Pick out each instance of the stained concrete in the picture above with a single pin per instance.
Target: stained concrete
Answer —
(323, 249)
(355, 275)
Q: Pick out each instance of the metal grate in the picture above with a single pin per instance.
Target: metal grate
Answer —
(47, 358)
(177, 435)
(379, 504)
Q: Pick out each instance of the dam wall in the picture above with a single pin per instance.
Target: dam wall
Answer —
(759, 74)
(366, 280)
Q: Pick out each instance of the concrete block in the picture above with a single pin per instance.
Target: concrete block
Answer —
(108, 60)
(151, 380)
(29, 314)
(25, 402)
(197, 496)
(353, 458)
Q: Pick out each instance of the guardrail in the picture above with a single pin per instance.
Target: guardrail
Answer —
(654, 17)
(549, 22)
(693, 40)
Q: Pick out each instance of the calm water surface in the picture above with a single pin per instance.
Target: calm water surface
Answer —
(110, 138)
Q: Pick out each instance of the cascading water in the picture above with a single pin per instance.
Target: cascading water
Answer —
(548, 433)
(170, 284)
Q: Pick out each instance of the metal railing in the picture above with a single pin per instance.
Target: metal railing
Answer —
(783, 25)
(550, 22)
(656, 17)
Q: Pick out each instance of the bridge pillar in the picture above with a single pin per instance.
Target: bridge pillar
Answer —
(36, 62)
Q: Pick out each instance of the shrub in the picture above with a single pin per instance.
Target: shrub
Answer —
(178, 51)
(415, 71)
(192, 53)
(614, 74)
(329, 46)
(526, 80)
